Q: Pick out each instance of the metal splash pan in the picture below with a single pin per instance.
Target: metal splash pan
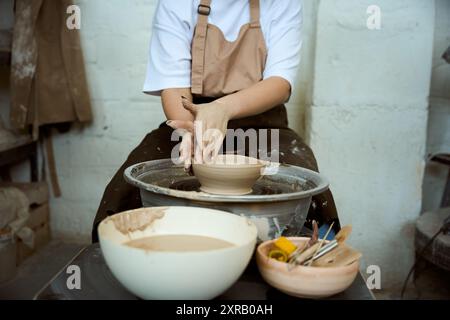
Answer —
(278, 204)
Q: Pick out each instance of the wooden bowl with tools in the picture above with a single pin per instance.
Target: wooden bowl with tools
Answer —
(302, 267)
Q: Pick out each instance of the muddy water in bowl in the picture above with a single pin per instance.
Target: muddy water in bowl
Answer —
(228, 174)
(179, 243)
(177, 252)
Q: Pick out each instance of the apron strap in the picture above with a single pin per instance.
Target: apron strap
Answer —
(199, 41)
(254, 14)
(198, 47)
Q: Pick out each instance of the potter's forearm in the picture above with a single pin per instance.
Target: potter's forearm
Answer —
(173, 108)
(258, 98)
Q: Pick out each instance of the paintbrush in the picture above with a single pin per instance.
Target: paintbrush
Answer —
(302, 256)
(321, 243)
(343, 234)
(339, 239)
(341, 256)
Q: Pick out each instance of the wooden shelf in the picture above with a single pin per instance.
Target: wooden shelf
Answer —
(14, 142)
(5, 40)
(14, 147)
(5, 47)
(17, 154)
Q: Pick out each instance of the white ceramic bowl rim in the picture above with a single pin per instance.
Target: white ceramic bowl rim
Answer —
(114, 240)
(171, 274)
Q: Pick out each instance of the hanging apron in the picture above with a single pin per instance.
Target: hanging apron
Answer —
(219, 68)
(48, 82)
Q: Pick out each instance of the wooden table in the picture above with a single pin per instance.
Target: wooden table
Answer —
(97, 282)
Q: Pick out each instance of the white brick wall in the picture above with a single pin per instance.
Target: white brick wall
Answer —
(368, 122)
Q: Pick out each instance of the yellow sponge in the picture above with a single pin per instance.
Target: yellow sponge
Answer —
(279, 255)
(286, 245)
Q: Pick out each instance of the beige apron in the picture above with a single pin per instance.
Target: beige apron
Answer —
(217, 64)
(220, 67)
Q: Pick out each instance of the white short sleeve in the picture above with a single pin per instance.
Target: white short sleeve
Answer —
(169, 63)
(284, 40)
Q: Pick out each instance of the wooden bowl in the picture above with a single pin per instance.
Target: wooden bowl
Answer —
(303, 281)
(229, 174)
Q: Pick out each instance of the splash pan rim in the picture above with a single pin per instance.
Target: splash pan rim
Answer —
(134, 172)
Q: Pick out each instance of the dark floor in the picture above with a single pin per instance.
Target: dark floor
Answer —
(38, 270)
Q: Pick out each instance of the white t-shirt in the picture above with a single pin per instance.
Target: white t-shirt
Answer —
(169, 64)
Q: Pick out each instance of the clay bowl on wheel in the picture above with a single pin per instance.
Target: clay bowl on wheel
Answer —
(176, 273)
(304, 281)
(228, 174)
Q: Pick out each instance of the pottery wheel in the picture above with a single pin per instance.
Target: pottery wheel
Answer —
(165, 178)
(278, 203)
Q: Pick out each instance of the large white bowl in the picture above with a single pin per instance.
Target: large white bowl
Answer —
(177, 275)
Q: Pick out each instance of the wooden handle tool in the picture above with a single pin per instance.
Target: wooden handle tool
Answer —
(343, 234)
(341, 256)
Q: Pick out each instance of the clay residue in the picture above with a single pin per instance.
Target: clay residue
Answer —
(137, 219)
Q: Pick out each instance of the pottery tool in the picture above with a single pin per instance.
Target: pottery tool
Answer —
(315, 235)
(323, 251)
(313, 240)
(303, 256)
(343, 234)
(339, 239)
(321, 243)
(341, 256)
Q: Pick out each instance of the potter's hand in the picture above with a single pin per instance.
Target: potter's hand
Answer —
(210, 125)
(186, 129)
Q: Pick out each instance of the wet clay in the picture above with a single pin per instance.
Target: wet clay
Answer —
(179, 242)
(134, 220)
(228, 174)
